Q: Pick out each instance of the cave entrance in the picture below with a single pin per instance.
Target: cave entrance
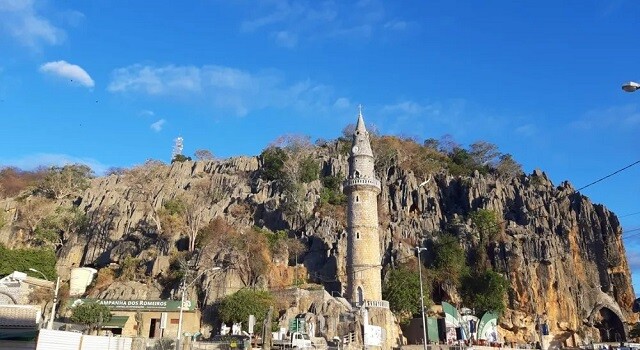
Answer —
(610, 326)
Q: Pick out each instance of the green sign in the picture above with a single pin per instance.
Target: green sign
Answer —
(138, 304)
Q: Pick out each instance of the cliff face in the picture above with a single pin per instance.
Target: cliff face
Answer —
(563, 256)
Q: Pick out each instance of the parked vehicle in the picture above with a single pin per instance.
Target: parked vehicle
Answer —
(295, 340)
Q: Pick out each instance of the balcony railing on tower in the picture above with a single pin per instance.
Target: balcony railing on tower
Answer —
(362, 181)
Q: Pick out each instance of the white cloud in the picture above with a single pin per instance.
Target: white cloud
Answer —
(66, 70)
(288, 21)
(342, 103)
(625, 117)
(157, 126)
(32, 161)
(146, 113)
(285, 39)
(526, 130)
(21, 20)
(225, 88)
(396, 25)
(156, 81)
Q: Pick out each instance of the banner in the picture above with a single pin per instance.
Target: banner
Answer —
(487, 329)
(451, 316)
(372, 335)
(138, 305)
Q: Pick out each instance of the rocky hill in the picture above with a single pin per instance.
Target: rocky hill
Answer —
(562, 255)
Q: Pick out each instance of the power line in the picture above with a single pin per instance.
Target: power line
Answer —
(624, 216)
(534, 209)
(610, 175)
(633, 235)
(499, 224)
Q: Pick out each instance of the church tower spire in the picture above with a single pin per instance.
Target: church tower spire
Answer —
(364, 281)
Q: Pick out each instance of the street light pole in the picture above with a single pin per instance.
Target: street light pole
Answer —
(183, 288)
(425, 332)
(55, 301)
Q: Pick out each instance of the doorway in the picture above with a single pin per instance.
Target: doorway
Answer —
(154, 328)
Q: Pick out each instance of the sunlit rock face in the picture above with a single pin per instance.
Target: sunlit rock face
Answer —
(563, 255)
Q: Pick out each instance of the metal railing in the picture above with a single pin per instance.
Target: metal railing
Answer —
(362, 181)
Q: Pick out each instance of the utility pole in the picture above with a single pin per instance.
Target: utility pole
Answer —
(425, 331)
(266, 331)
(55, 301)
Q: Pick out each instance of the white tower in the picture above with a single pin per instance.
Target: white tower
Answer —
(177, 147)
(364, 281)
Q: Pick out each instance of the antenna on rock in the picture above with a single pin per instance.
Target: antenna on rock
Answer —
(178, 146)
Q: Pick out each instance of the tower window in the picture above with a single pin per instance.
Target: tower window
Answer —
(360, 296)
(357, 234)
(357, 199)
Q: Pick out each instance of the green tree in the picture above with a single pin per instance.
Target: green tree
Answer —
(485, 224)
(402, 289)
(331, 193)
(43, 260)
(180, 158)
(238, 306)
(91, 314)
(309, 169)
(449, 259)
(273, 160)
(461, 162)
(56, 228)
(61, 182)
(485, 291)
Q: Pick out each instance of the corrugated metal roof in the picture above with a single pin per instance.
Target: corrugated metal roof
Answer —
(12, 316)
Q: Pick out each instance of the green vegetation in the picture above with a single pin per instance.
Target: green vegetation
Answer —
(485, 224)
(56, 227)
(61, 182)
(238, 306)
(43, 260)
(180, 158)
(402, 290)
(309, 169)
(273, 160)
(449, 260)
(485, 291)
(274, 239)
(91, 314)
(330, 193)
(131, 269)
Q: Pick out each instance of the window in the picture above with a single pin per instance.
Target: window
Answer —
(357, 234)
(360, 296)
(357, 199)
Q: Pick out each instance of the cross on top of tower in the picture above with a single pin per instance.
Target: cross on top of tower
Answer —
(360, 110)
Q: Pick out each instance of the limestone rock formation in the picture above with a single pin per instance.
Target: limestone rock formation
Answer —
(563, 255)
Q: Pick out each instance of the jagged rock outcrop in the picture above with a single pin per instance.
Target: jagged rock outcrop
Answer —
(563, 255)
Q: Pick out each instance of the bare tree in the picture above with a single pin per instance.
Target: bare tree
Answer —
(507, 167)
(32, 212)
(204, 154)
(484, 153)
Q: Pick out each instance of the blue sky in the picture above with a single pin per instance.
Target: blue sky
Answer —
(113, 83)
